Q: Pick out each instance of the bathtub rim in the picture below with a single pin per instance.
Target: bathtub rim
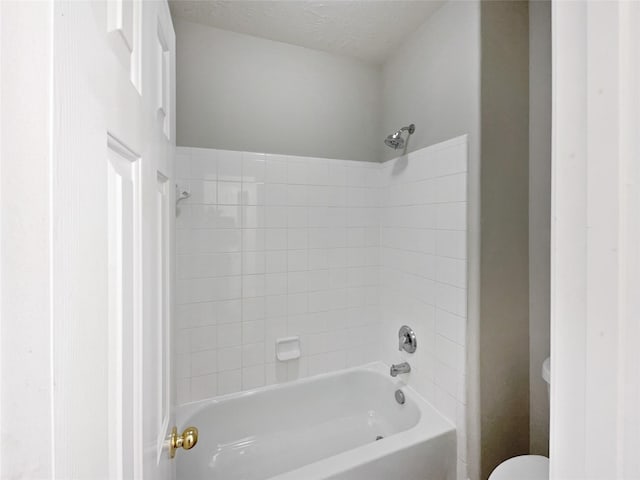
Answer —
(425, 430)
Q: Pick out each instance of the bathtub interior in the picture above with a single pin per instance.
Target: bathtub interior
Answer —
(263, 433)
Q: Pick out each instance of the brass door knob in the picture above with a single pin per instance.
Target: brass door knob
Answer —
(187, 440)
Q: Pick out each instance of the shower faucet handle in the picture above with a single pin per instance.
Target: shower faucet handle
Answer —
(407, 340)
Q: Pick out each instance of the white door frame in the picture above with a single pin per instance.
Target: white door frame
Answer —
(26, 381)
(595, 261)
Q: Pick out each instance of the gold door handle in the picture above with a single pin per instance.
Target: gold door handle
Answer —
(187, 440)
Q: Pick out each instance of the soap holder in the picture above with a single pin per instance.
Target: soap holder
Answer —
(287, 348)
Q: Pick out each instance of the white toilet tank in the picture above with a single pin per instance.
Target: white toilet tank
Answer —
(526, 467)
(546, 373)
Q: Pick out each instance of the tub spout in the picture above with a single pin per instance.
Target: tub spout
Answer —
(403, 367)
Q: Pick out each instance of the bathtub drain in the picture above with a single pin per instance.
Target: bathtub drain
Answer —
(379, 437)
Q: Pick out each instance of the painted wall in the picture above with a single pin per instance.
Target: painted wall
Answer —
(432, 80)
(245, 93)
(504, 302)
(539, 217)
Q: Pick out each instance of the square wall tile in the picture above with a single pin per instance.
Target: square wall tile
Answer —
(276, 169)
(253, 167)
(203, 387)
(270, 246)
(229, 358)
(229, 382)
(253, 377)
(229, 166)
(204, 362)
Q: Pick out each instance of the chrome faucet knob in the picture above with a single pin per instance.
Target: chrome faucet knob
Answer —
(407, 340)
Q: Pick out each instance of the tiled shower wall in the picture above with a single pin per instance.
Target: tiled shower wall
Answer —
(271, 246)
(337, 252)
(423, 273)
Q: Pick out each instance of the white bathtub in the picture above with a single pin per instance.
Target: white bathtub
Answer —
(323, 427)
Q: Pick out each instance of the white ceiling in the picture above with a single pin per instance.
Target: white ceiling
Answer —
(366, 29)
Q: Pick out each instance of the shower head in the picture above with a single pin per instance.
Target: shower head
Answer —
(395, 140)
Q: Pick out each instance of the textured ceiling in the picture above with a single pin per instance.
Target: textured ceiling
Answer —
(366, 29)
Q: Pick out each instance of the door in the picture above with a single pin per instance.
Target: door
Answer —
(595, 254)
(113, 144)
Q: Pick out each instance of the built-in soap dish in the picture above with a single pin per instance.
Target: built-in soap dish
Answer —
(287, 348)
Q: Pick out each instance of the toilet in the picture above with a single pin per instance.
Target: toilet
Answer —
(525, 467)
